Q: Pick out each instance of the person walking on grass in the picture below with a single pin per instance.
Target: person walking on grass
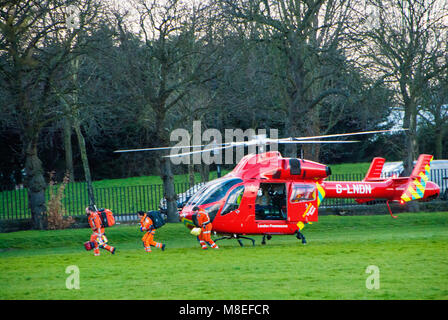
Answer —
(147, 225)
(98, 238)
(205, 224)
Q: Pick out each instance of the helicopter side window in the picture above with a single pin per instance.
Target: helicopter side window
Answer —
(213, 192)
(270, 203)
(194, 199)
(233, 200)
(302, 192)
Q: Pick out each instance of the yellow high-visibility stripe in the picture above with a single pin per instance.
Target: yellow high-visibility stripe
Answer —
(419, 186)
(405, 198)
(414, 193)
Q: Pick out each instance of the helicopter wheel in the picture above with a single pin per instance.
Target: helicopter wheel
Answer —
(300, 236)
(269, 237)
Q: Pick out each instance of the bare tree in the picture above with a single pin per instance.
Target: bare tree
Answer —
(29, 33)
(405, 45)
(434, 111)
(307, 34)
(171, 60)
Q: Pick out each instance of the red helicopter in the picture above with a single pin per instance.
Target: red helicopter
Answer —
(266, 194)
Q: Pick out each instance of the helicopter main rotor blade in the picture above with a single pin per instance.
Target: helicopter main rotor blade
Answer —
(221, 147)
(342, 134)
(217, 148)
(158, 148)
(317, 141)
(246, 143)
(197, 151)
(260, 141)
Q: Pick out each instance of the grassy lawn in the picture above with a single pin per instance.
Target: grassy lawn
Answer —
(149, 180)
(350, 168)
(410, 253)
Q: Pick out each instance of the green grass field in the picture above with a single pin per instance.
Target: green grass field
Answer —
(411, 253)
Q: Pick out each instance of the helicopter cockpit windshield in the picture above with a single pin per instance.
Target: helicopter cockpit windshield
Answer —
(213, 191)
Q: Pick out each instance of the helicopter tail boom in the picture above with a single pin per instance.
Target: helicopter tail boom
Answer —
(401, 189)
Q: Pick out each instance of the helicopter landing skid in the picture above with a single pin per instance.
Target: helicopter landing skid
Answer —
(237, 237)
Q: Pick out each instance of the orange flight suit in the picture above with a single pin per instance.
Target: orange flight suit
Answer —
(148, 239)
(206, 229)
(98, 238)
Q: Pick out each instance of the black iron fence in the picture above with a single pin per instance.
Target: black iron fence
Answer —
(130, 199)
(121, 200)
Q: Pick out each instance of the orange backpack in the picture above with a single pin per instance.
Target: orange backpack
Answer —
(107, 217)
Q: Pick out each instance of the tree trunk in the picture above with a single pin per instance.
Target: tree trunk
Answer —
(165, 163)
(439, 142)
(36, 186)
(291, 150)
(296, 104)
(68, 148)
(168, 189)
(191, 177)
(85, 161)
(408, 152)
(410, 122)
(204, 169)
(312, 151)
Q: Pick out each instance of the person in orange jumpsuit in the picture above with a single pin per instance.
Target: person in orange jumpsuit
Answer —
(205, 224)
(146, 224)
(98, 238)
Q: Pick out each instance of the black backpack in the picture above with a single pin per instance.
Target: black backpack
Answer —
(194, 218)
(157, 219)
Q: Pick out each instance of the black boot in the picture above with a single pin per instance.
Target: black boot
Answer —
(300, 236)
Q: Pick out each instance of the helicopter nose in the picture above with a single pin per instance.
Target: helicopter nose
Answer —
(183, 215)
(186, 216)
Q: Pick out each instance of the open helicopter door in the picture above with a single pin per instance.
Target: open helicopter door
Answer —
(271, 202)
(304, 199)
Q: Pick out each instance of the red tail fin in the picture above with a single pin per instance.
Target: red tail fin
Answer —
(423, 161)
(376, 167)
(415, 189)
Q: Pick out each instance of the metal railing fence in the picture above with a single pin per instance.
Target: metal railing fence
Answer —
(126, 200)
